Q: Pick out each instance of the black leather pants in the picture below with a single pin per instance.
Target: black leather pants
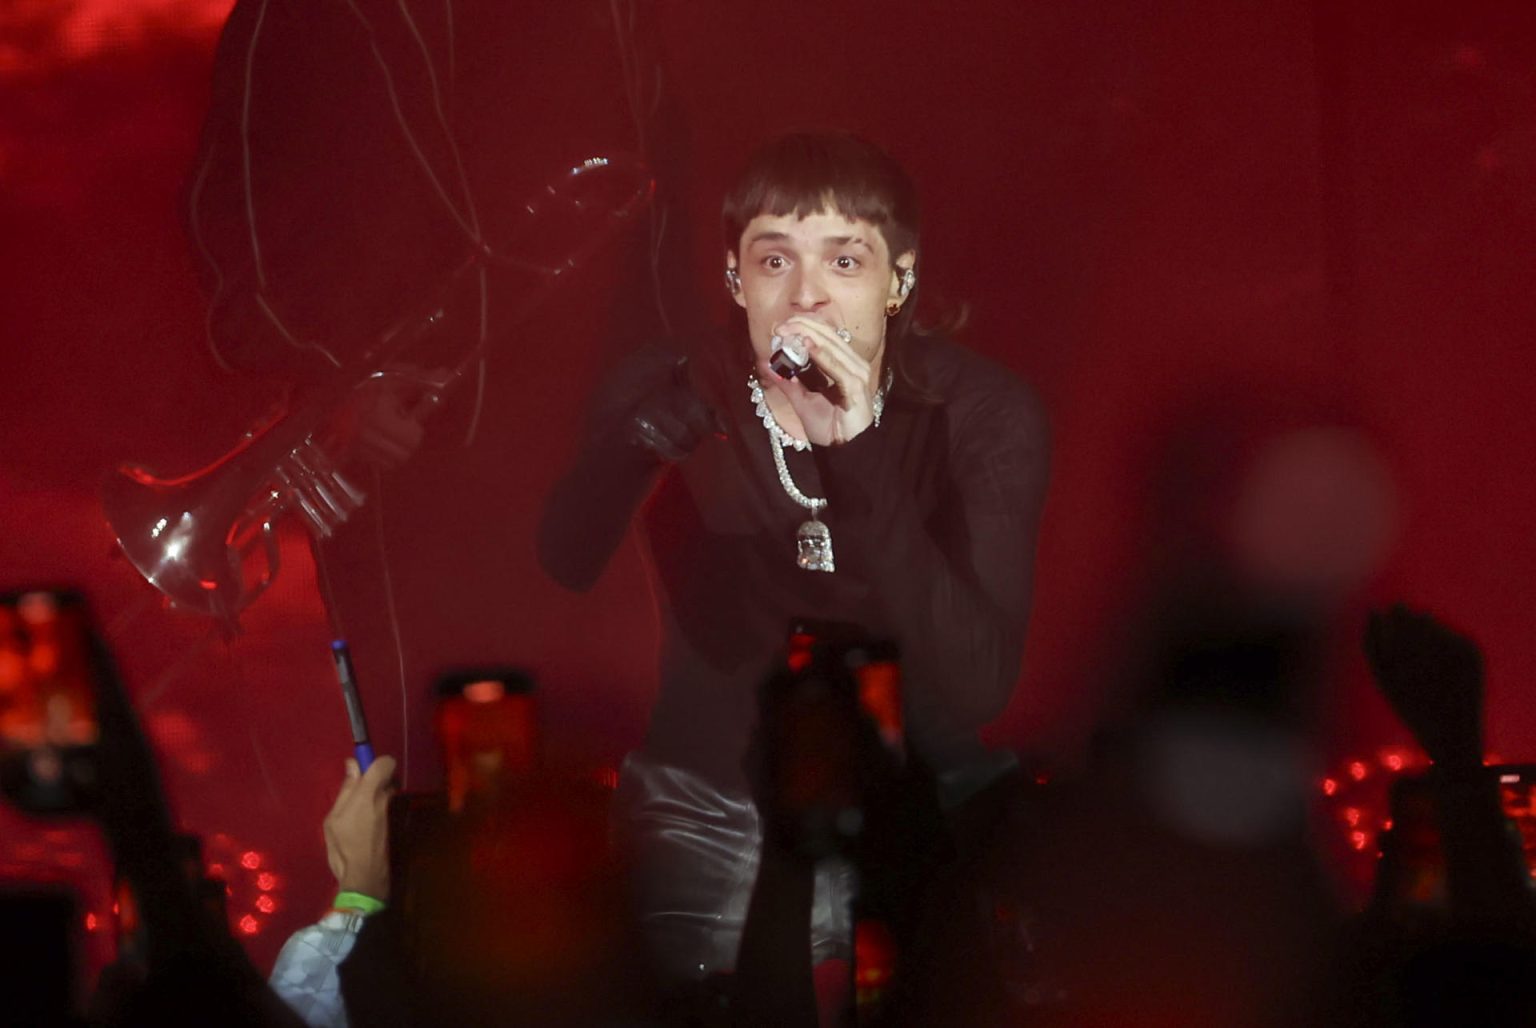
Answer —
(693, 851)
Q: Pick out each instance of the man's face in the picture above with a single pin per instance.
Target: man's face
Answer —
(822, 266)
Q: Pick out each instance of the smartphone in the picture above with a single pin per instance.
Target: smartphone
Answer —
(487, 725)
(1517, 795)
(1419, 878)
(48, 710)
(837, 683)
(875, 665)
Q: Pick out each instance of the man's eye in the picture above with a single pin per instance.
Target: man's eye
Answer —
(774, 262)
(846, 263)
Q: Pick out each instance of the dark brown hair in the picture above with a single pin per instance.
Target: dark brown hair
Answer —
(809, 172)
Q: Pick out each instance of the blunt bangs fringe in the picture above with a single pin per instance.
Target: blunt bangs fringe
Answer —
(806, 173)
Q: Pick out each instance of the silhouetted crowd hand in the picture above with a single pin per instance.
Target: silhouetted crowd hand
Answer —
(191, 965)
(1463, 953)
(1433, 677)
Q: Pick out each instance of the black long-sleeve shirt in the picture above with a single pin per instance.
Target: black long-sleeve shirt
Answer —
(933, 516)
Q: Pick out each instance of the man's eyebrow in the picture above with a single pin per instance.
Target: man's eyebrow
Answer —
(779, 237)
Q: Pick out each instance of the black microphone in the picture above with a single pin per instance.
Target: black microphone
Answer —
(789, 360)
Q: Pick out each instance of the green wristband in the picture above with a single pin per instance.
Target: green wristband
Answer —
(357, 901)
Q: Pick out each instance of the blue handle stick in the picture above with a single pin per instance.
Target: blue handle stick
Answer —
(360, 744)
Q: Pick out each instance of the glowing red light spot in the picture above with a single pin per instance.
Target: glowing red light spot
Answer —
(250, 860)
(1358, 770)
(90, 922)
(249, 925)
(1358, 840)
(607, 777)
(1352, 816)
(1394, 761)
(45, 658)
(1330, 786)
(488, 691)
(1386, 825)
(266, 881)
(265, 904)
(874, 955)
(215, 870)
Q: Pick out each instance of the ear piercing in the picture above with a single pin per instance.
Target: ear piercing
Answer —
(732, 281)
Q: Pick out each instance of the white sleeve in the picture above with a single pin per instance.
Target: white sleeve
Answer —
(305, 972)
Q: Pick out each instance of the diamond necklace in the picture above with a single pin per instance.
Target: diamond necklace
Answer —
(813, 549)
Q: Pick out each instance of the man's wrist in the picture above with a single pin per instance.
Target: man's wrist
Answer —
(357, 902)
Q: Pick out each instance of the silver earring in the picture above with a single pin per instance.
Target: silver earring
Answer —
(732, 281)
(908, 280)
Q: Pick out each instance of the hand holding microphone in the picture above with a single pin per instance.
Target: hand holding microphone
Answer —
(817, 352)
(792, 359)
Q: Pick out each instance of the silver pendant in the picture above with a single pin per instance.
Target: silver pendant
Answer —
(813, 546)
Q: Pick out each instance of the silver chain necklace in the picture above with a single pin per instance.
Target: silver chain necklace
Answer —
(813, 540)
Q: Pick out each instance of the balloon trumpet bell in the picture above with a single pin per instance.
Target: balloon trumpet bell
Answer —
(208, 540)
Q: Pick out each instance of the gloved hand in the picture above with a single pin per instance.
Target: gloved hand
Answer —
(672, 419)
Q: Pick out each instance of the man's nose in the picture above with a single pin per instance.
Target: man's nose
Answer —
(808, 292)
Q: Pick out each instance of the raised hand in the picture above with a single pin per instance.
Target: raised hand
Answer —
(357, 830)
(1433, 677)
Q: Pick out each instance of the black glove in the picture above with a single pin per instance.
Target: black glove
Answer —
(672, 419)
